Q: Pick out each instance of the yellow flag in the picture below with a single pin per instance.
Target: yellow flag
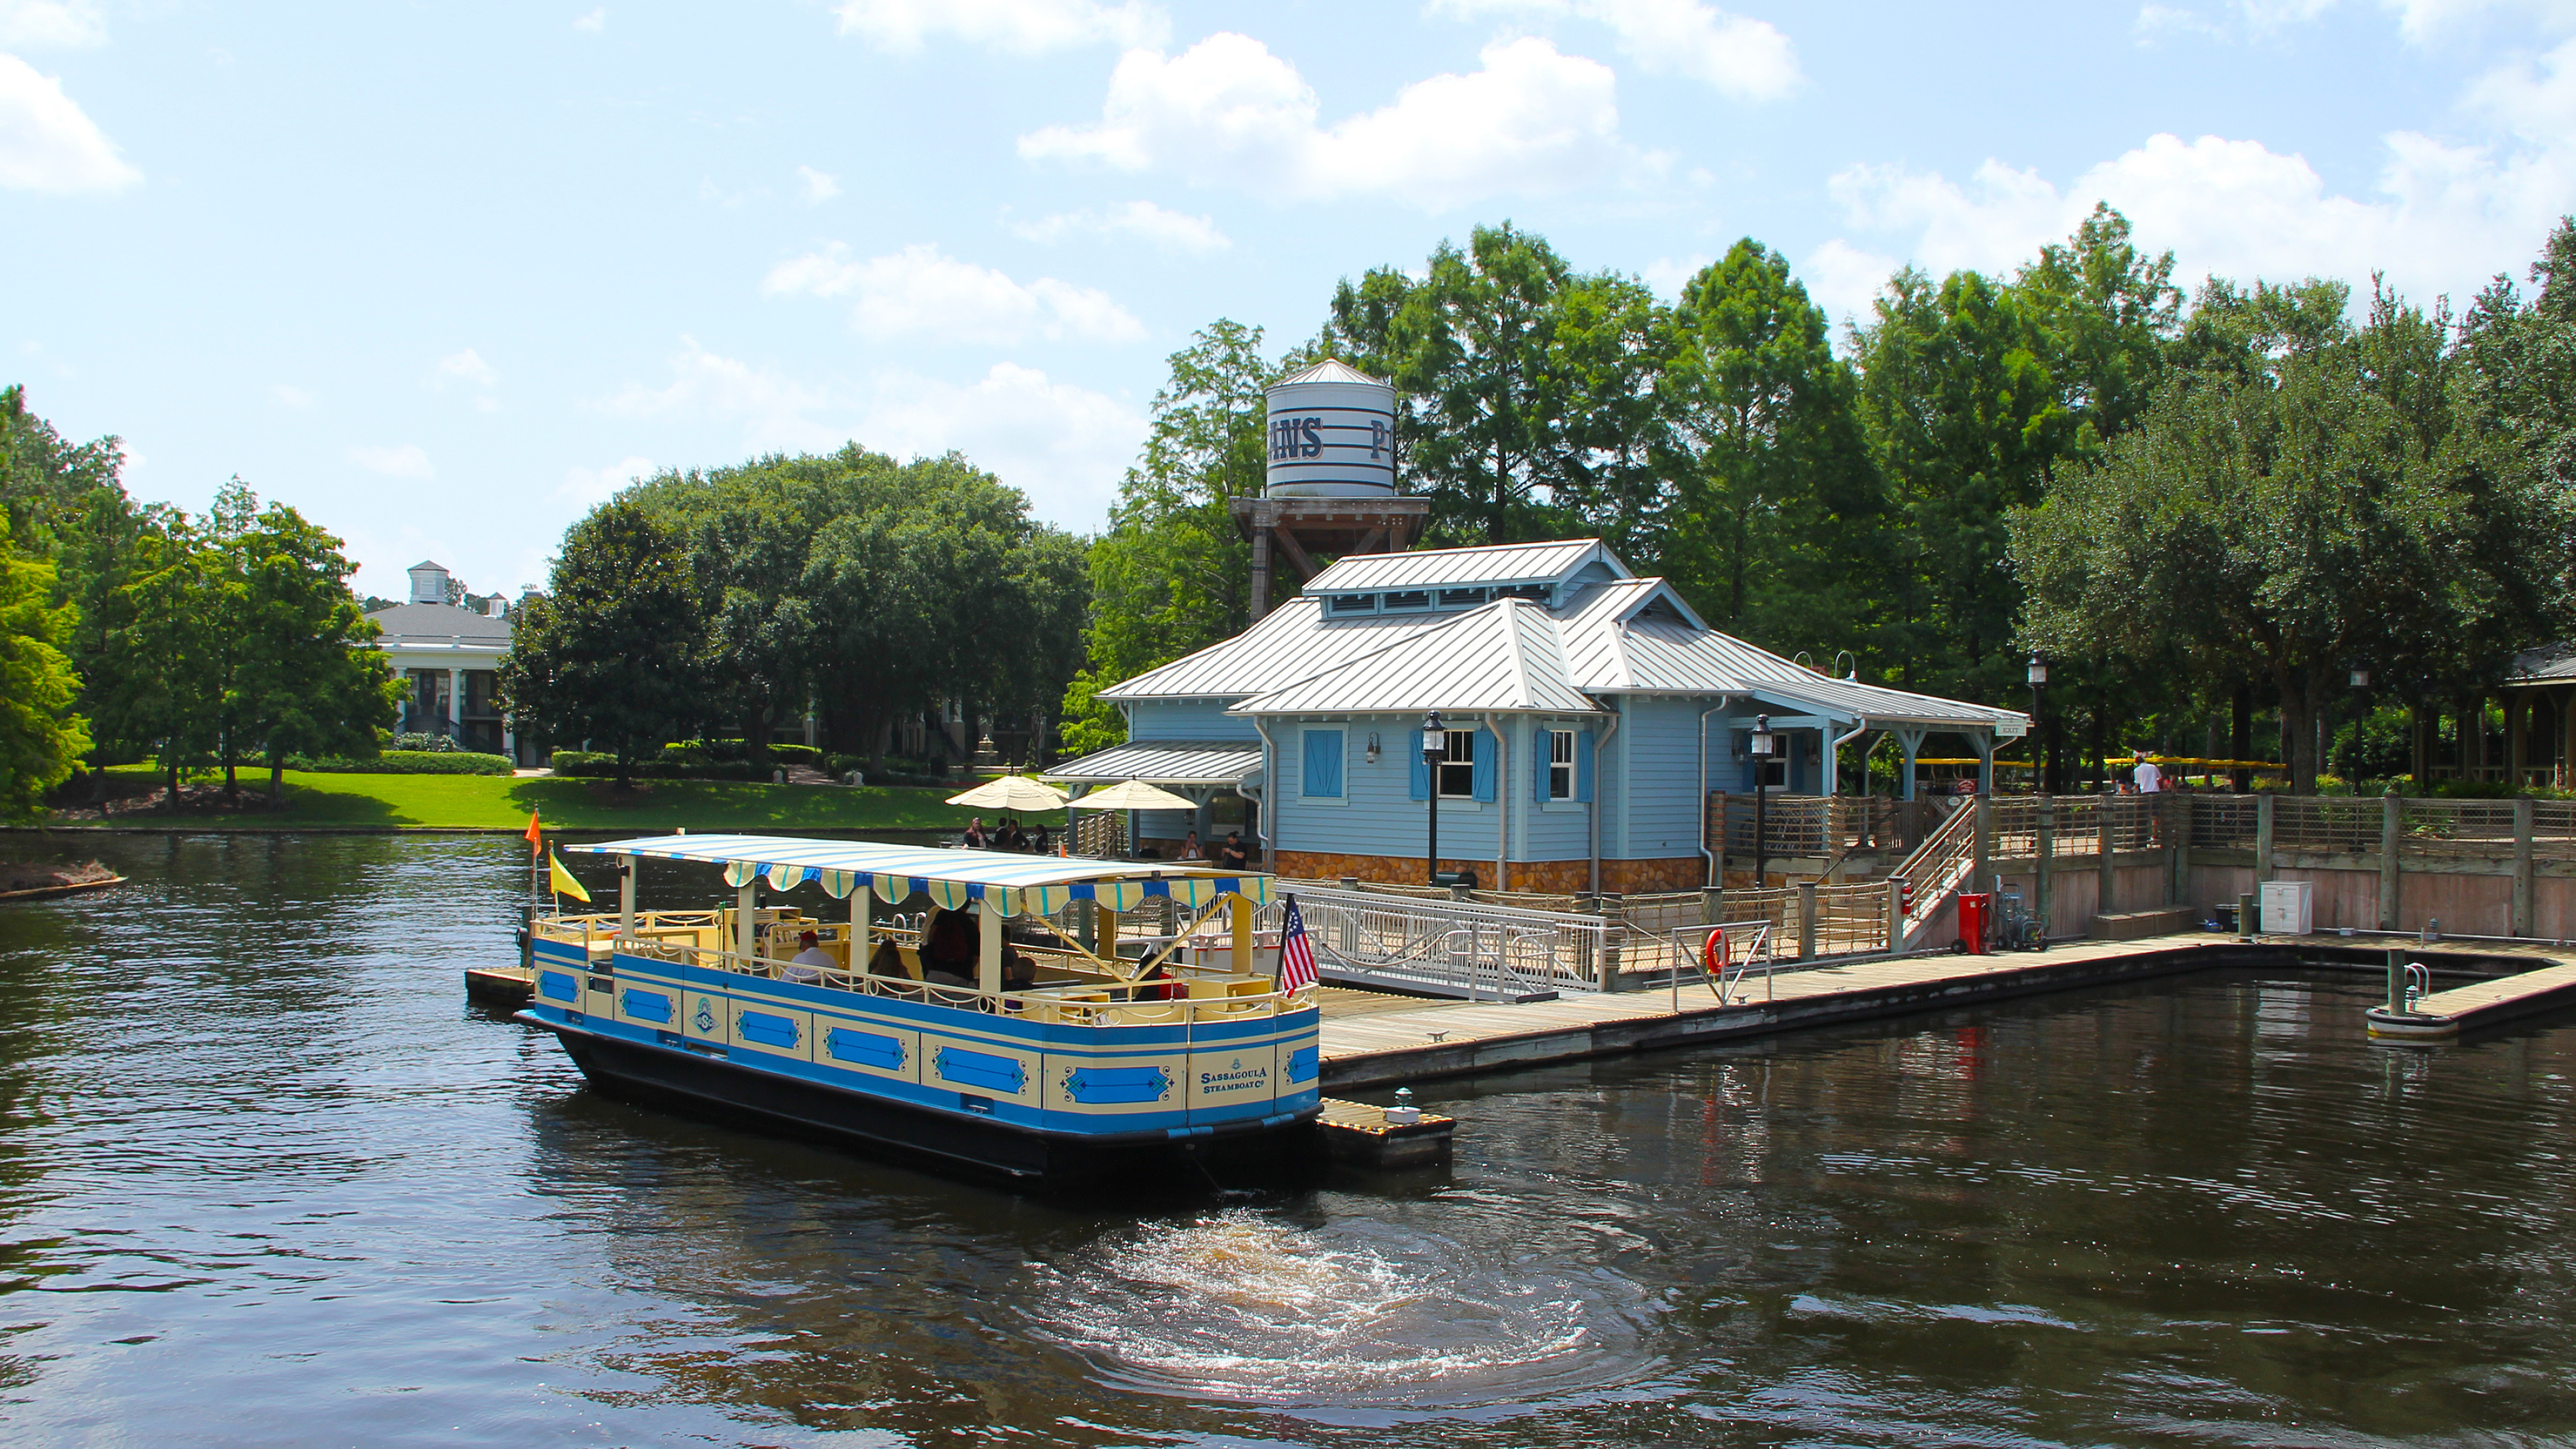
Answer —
(564, 884)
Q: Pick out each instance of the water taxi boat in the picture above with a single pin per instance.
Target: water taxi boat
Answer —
(1003, 1024)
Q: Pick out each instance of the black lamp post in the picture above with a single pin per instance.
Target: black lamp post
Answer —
(1435, 748)
(2038, 755)
(2360, 681)
(1759, 747)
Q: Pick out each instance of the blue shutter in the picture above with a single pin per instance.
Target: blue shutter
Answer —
(1484, 742)
(1421, 775)
(1583, 766)
(1323, 773)
(1541, 741)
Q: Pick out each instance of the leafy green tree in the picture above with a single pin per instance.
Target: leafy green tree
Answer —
(311, 680)
(1775, 523)
(164, 637)
(2288, 511)
(1172, 573)
(40, 735)
(610, 655)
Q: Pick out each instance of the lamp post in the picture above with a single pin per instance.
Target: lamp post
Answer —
(2360, 681)
(1759, 747)
(2038, 754)
(1435, 747)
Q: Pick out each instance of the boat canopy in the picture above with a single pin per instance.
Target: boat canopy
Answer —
(1010, 884)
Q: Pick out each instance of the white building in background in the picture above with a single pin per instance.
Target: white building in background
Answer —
(446, 654)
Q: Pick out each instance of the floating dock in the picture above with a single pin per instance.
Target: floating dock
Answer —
(1380, 1041)
(1360, 1132)
(2485, 1003)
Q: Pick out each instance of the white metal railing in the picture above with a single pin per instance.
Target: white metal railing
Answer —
(1738, 947)
(1446, 947)
(1937, 866)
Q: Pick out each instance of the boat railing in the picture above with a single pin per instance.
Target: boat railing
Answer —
(1071, 1003)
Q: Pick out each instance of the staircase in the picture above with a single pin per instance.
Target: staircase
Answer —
(1937, 869)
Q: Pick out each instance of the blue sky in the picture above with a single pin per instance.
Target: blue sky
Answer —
(442, 276)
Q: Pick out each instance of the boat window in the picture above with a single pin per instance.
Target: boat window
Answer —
(1409, 599)
(1354, 603)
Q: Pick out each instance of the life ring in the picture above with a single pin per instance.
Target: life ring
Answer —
(1715, 955)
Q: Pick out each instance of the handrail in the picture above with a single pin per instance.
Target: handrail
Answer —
(1016, 1003)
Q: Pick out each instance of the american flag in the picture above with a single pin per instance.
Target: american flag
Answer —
(1296, 953)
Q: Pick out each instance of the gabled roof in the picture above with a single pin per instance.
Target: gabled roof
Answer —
(2548, 664)
(1504, 656)
(1459, 568)
(1292, 642)
(1628, 636)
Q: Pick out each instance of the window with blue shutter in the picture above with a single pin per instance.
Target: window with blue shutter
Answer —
(1322, 778)
(1484, 778)
(1421, 775)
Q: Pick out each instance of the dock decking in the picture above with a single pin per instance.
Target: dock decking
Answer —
(1373, 1044)
(2502, 999)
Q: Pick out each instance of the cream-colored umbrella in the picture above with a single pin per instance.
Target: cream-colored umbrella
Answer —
(1012, 792)
(1132, 795)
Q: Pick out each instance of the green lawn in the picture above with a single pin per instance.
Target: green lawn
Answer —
(498, 802)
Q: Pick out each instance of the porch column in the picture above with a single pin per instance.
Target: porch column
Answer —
(2517, 742)
(1909, 743)
(456, 704)
(1832, 762)
(2473, 737)
(2566, 738)
(1985, 743)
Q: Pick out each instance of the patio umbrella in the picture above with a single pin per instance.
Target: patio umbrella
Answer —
(1012, 792)
(1132, 795)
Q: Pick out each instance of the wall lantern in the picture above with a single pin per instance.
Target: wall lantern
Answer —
(1372, 747)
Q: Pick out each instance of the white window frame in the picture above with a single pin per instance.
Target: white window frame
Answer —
(1560, 765)
(1460, 756)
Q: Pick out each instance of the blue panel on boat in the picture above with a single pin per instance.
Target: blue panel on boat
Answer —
(867, 1048)
(558, 985)
(980, 1069)
(648, 1005)
(1118, 1084)
(1301, 1064)
(768, 1030)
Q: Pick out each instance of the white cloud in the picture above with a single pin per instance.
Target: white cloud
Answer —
(1668, 276)
(406, 461)
(1065, 445)
(921, 291)
(2420, 21)
(33, 23)
(1228, 111)
(1843, 279)
(291, 395)
(819, 188)
(46, 143)
(1026, 27)
(1743, 58)
(2443, 218)
(588, 487)
(1169, 230)
(468, 366)
(593, 21)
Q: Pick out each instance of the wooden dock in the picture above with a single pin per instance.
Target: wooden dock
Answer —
(1385, 1041)
(2484, 1003)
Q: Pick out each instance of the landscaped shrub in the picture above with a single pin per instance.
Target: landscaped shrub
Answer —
(565, 762)
(409, 762)
(437, 744)
(604, 767)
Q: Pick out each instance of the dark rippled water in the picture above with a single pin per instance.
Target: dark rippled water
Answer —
(266, 1179)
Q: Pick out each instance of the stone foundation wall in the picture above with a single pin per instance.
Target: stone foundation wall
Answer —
(1553, 877)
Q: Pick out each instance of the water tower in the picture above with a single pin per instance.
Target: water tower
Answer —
(1331, 483)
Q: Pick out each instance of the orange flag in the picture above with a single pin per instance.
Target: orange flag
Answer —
(535, 835)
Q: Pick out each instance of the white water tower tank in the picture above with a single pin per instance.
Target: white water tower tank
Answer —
(1332, 434)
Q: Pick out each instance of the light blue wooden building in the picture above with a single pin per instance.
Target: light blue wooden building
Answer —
(1587, 713)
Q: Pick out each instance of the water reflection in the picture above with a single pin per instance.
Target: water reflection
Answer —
(265, 1177)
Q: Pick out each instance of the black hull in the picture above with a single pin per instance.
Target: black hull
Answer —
(716, 1089)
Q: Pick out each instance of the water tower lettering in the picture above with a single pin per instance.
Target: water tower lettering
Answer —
(1297, 438)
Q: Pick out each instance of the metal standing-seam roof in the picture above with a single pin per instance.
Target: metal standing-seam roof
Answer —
(1292, 642)
(1163, 762)
(1503, 656)
(1461, 568)
(2548, 664)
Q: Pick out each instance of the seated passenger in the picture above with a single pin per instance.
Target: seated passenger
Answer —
(950, 945)
(1019, 970)
(888, 961)
(812, 962)
(1156, 984)
(1039, 844)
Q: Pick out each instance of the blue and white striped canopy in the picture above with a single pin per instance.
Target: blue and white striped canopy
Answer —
(1010, 884)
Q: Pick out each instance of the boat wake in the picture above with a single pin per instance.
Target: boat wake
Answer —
(1240, 1305)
